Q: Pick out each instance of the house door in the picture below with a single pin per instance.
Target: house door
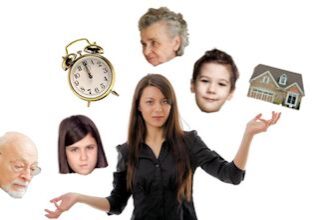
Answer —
(292, 100)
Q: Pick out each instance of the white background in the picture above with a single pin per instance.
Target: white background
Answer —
(35, 97)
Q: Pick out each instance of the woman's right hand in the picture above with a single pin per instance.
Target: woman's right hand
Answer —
(62, 203)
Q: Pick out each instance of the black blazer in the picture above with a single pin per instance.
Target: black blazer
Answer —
(154, 189)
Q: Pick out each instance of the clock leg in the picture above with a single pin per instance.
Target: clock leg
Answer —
(115, 93)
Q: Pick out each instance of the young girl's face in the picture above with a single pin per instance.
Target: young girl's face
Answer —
(154, 106)
(212, 86)
(82, 155)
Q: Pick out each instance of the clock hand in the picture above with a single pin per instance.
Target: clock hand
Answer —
(87, 70)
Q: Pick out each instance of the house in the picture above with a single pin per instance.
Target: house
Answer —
(276, 86)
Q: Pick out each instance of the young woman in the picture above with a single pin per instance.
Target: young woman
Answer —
(157, 163)
(79, 146)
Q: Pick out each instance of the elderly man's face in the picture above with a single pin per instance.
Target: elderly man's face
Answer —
(18, 164)
(158, 45)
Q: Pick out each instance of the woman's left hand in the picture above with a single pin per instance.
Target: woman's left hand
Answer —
(66, 202)
(258, 124)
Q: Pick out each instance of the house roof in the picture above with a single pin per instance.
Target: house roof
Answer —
(276, 73)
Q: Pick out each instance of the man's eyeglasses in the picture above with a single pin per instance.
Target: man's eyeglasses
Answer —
(19, 166)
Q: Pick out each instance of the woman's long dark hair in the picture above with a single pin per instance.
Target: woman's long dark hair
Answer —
(172, 133)
(72, 130)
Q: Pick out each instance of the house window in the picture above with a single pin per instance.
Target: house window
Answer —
(283, 79)
(266, 79)
(292, 99)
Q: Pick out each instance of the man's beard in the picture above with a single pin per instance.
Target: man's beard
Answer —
(19, 193)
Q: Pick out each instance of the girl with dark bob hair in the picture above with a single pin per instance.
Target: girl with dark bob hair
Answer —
(80, 148)
(157, 163)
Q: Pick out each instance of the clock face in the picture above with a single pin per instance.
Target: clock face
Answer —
(91, 77)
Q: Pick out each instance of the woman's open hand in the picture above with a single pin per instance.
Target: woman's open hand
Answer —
(258, 124)
(62, 203)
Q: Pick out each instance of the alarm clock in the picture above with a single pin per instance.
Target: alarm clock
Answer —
(91, 76)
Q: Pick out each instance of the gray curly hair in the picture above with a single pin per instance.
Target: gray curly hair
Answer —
(177, 26)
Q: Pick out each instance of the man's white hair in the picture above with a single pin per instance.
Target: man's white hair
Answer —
(11, 137)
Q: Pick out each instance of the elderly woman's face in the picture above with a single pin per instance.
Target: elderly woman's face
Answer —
(158, 46)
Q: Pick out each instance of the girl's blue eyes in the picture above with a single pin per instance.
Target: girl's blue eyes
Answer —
(76, 149)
